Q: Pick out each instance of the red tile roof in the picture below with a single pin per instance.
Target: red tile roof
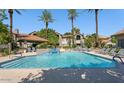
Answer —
(121, 32)
(33, 38)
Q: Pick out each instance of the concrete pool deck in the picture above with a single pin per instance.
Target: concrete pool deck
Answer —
(15, 75)
(103, 75)
(12, 57)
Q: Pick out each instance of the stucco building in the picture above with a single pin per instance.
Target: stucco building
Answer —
(120, 38)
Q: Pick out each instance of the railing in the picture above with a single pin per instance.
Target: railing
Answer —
(54, 51)
(119, 58)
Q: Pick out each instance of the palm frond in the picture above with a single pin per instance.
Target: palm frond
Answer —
(72, 13)
(17, 11)
(46, 16)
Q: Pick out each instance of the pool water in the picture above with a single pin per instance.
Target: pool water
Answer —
(61, 60)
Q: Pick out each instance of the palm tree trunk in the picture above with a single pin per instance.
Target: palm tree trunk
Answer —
(10, 11)
(11, 20)
(46, 30)
(96, 19)
(72, 31)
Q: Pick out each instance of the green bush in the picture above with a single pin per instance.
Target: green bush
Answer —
(88, 43)
(5, 52)
(117, 50)
(44, 45)
(67, 47)
(52, 37)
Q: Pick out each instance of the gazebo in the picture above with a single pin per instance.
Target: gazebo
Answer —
(31, 39)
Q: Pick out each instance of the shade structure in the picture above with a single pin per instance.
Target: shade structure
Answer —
(33, 38)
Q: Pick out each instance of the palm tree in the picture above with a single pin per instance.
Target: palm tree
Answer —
(10, 11)
(96, 22)
(2, 15)
(72, 14)
(46, 17)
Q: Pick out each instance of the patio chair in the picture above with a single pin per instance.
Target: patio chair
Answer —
(112, 51)
(29, 49)
(33, 49)
(106, 51)
(120, 53)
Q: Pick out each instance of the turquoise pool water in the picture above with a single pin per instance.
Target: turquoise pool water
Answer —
(61, 60)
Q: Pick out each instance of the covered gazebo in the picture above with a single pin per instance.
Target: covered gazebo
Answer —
(31, 39)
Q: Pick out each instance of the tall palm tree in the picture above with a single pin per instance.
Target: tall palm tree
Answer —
(72, 14)
(46, 17)
(96, 22)
(11, 11)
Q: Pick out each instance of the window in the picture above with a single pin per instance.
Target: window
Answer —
(121, 43)
(78, 37)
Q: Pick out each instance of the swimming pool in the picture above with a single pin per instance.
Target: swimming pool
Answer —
(61, 60)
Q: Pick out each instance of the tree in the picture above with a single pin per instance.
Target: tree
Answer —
(53, 38)
(76, 30)
(96, 22)
(113, 39)
(2, 15)
(68, 33)
(46, 17)
(72, 14)
(89, 40)
(4, 34)
(11, 11)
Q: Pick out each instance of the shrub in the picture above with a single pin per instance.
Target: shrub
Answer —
(67, 47)
(5, 52)
(44, 45)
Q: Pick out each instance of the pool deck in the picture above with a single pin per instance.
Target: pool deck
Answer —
(12, 57)
(104, 75)
(104, 56)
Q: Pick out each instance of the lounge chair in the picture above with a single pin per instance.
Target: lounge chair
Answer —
(120, 53)
(112, 52)
(29, 49)
(33, 49)
(106, 51)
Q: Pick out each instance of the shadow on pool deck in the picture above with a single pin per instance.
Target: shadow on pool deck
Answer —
(74, 76)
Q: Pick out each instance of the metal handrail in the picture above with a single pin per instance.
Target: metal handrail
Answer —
(119, 58)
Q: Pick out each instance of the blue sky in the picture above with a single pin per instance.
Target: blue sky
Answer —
(110, 21)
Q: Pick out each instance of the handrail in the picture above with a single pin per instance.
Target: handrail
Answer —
(119, 58)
